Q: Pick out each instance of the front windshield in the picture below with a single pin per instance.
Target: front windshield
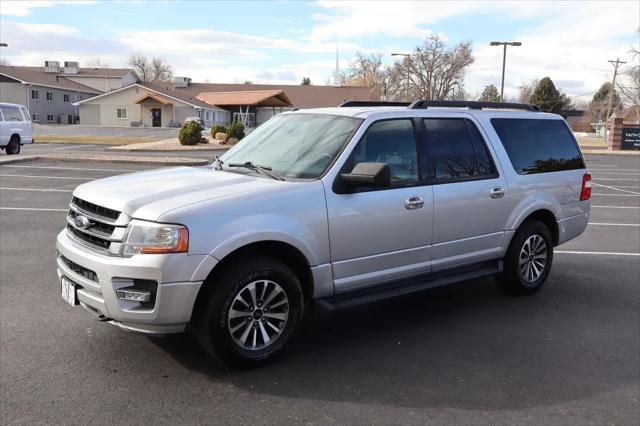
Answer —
(294, 145)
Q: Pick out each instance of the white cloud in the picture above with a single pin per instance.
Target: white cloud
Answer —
(23, 7)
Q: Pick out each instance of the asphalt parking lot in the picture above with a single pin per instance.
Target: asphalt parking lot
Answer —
(464, 354)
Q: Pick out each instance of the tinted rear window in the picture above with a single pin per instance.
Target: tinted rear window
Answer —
(538, 146)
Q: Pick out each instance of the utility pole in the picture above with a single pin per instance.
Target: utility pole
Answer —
(616, 64)
(504, 60)
(408, 56)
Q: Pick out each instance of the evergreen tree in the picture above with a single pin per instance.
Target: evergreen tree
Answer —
(490, 94)
(548, 98)
(306, 81)
(600, 103)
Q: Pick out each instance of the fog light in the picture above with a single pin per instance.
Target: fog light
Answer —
(133, 294)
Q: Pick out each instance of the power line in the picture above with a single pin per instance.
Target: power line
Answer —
(616, 65)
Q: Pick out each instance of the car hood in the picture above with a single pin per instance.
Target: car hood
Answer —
(149, 194)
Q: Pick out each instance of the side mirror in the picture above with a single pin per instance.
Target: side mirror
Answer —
(368, 174)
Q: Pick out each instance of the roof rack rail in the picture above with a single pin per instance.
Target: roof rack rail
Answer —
(373, 104)
(473, 105)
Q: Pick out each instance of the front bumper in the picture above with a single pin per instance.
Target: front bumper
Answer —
(174, 274)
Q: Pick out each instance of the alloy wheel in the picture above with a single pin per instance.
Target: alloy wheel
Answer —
(533, 258)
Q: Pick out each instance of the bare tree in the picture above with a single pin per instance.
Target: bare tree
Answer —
(434, 71)
(367, 70)
(526, 90)
(151, 71)
(629, 84)
(96, 63)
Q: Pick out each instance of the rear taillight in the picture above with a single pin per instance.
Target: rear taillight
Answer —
(585, 194)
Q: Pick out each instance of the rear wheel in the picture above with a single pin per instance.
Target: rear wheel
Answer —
(528, 260)
(249, 311)
(13, 147)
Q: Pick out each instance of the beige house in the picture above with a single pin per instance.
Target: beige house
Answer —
(169, 104)
(143, 105)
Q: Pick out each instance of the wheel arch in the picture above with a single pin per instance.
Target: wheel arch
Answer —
(278, 250)
(549, 219)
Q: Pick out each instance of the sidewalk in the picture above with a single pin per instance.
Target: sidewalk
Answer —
(171, 145)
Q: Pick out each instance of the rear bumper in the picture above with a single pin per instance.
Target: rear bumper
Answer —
(571, 227)
(175, 296)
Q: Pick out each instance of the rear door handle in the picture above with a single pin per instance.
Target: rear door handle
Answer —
(413, 203)
(497, 192)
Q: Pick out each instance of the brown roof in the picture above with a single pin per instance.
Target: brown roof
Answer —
(299, 95)
(268, 98)
(37, 76)
(158, 98)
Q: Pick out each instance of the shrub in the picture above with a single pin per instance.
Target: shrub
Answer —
(191, 133)
(235, 130)
(217, 129)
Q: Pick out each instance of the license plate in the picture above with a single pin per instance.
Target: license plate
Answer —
(69, 292)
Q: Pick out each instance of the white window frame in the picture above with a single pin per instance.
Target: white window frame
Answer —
(120, 115)
(49, 92)
(67, 97)
(35, 117)
(35, 92)
(53, 118)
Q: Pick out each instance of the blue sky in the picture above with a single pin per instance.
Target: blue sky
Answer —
(283, 41)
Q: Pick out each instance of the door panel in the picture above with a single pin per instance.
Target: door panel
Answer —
(468, 223)
(375, 238)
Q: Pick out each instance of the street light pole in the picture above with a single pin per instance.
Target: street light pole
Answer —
(504, 60)
(408, 56)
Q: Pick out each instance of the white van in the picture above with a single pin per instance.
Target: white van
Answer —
(15, 127)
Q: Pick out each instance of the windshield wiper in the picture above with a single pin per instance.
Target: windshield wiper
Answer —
(265, 170)
(219, 162)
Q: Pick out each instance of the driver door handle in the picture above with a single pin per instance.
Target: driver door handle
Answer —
(413, 203)
(497, 192)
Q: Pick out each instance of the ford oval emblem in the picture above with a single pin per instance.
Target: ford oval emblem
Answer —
(82, 221)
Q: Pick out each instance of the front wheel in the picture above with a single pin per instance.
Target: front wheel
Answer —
(528, 260)
(249, 311)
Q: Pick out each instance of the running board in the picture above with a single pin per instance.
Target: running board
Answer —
(408, 285)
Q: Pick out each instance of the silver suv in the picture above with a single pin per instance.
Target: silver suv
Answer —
(339, 206)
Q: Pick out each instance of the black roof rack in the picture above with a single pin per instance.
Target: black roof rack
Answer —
(373, 104)
(473, 105)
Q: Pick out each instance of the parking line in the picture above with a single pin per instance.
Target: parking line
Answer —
(617, 189)
(634, 180)
(614, 224)
(614, 207)
(33, 209)
(48, 177)
(35, 189)
(608, 170)
(602, 253)
(593, 194)
(70, 168)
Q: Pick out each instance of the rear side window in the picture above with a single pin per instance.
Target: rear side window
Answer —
(458, 151)
(538, 146)
(11, 113)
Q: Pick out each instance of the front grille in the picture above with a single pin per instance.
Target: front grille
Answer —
(80, 270)
(99, 229)
(89, 239)
(95, 209)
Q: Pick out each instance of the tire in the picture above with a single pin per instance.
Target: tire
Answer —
(13, 147)
(234, 333)
(528, 260)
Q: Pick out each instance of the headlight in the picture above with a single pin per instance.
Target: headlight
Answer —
(150, 237)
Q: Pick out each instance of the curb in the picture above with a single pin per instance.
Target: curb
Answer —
(176, 161)
(118, 149)
(22, 159)
(609, 152)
